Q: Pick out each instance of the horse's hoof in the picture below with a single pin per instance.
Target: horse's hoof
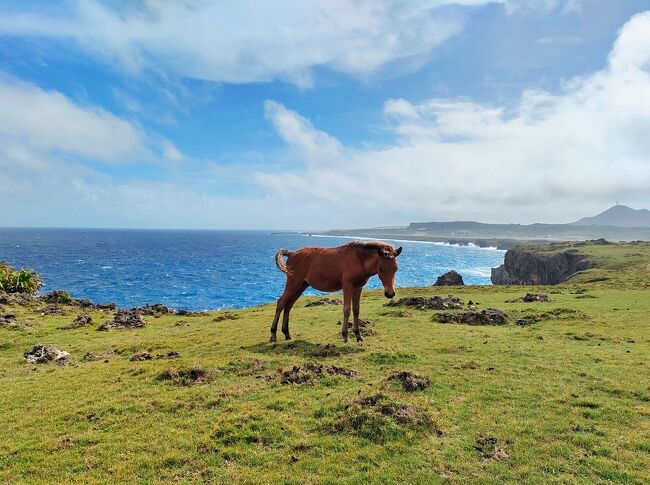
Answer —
(287, 337)
(273, 339)
(359, 338)
(345, 339)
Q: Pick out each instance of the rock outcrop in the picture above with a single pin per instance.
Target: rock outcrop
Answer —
(124, 319)
(428, 303)
(450, 278)
(40, 354)
(528, 266)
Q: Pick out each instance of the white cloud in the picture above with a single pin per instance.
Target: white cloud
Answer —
(556, 156)
(315, 146)
(252, 41)
(170, 152)
(50, 122)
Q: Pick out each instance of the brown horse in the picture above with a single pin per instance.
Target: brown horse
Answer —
(347, 267)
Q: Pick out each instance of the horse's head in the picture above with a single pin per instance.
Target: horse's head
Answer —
(386, 269)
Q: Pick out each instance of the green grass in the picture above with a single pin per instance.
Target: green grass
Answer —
(566, 400)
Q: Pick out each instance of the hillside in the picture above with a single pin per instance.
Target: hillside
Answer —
(562, 397)
(619, 223)
(620, 216)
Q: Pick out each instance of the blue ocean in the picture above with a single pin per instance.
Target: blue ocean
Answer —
(202, 270)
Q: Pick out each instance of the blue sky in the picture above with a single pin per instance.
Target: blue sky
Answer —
(323, 114)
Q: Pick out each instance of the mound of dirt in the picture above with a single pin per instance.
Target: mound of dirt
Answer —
(524, 322)
(53, 309)
(324, 301)
(410, 382)
(379, 419)
(141, 357)
(186, 377)
(41, 354)
(488, 449)
(8, 320)
(295, 375)
(489, 316)
(531, 297)
(172, 354)
(83, 320)
(124, 319)
(427, 303)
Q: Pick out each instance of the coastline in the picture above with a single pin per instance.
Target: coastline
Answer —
(453, 243)
(501, 244)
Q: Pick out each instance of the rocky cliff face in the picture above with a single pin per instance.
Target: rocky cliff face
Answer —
(524, 266)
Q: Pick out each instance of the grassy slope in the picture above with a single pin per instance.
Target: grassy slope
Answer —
(568, 398)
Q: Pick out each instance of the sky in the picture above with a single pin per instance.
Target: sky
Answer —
(311, 115)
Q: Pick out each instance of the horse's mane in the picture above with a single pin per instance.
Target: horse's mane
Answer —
(384, 249)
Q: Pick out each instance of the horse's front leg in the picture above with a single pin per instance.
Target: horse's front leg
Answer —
(356, 303)
(347, 305)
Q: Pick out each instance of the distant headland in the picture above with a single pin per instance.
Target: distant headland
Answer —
(618, 223)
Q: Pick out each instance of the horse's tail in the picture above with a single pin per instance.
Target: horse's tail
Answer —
(280, 262)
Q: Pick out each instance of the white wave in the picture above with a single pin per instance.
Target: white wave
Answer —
(469, 245)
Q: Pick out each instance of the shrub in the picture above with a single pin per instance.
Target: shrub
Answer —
(18, 281)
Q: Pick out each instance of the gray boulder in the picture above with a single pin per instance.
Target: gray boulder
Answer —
(450, 278)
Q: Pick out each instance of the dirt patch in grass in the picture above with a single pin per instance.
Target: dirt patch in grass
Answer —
(172, 354)
(379, 419)
(8, 320)
(305, 348)
(124, 319)
(489, 316)
(391, 358)
(531, 297)
(141, 357)
(324, 301)
(225, 317)
(308, 372)
(488, 449)
(427, 302)
(94, 356)
(295, 375)
(186, 377)
(244, 368)
(367, 326)
(526, 321)
(410, 382)
(398, 314)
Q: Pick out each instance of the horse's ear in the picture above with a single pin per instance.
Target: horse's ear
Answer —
(399, 251)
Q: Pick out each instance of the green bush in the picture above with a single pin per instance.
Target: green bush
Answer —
(18, 281)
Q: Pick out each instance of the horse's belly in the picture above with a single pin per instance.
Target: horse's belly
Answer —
(325, 286)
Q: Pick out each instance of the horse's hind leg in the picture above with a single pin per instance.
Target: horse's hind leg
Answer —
(282, 302)
(347, 303)
(356, 303)
(287, 310)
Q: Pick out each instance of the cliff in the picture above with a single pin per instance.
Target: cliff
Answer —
(529, 266)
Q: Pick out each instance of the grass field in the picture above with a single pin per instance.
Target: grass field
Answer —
(564, 400)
